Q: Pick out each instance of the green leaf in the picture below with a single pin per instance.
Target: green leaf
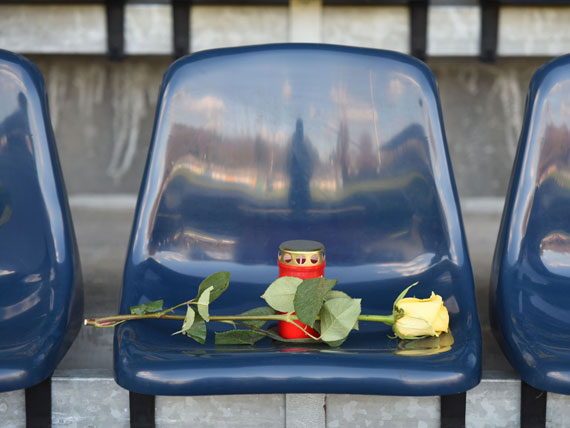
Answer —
(337, 343)
(203, 302)
(338, 318)
(147, 308)
(281, 292)
(402, 295)
(309, 298)
(219, 281)
(239, 337)
(198, 331)
(335, 294)
(188, 321)
(261, 311)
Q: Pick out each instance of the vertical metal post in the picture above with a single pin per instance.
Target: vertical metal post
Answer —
(38, 405)
(453, 410)
(533, 407)
(116, 29)
(181, 27)
(142, 410)
(489, 29)
(418, 30)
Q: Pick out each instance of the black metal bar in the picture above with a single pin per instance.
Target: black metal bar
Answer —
(285, 2)
(453, 410)
(533, 407)
(65, 2)
(418, 31)
(535, 2)
(38, 405)
(141, 410)
(115, 29)
(181, 27)
(489, 29)
(364, 2)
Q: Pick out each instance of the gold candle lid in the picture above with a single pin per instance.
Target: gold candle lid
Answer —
(301, 252)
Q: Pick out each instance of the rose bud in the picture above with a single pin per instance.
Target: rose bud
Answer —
(419, 318)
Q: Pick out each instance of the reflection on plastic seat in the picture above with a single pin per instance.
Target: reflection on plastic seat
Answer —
(41, 304)
(530, 282)
(255, 146)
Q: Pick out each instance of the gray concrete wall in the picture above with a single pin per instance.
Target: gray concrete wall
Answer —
(103, 113)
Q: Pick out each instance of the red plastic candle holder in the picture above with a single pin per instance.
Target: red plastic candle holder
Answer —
(302, 259)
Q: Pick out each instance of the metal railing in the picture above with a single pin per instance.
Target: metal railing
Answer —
(181, 9)
(418, 10)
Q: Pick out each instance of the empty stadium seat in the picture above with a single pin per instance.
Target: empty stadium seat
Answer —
(258, 145)
(530, 303)
(41, 298)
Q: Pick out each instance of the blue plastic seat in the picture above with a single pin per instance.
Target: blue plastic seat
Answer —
(254, 146)
(41, 296)
(530, 302)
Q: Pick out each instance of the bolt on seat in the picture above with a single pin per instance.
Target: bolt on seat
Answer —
(258, 145)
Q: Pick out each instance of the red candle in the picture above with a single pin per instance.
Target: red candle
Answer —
(302, 259)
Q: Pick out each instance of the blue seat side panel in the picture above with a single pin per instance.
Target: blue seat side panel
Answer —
(529, 300)
(41, 304)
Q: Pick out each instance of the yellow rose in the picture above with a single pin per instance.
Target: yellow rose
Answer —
(421, 317)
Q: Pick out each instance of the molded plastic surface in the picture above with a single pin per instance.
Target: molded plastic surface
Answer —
(41, 295)
(258, 145)
(530, 302)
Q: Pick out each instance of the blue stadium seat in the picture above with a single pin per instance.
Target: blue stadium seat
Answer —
(258, 145)
(41, 295)
(530, 302)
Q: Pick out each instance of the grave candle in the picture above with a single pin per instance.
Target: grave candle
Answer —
(302, 259)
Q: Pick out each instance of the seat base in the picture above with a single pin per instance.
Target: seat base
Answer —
(148, 360)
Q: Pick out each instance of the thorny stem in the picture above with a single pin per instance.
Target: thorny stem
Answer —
(112, 321)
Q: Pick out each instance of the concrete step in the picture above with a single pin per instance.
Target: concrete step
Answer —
(91, 398)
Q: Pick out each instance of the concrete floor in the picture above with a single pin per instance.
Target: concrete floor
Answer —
(103, 236)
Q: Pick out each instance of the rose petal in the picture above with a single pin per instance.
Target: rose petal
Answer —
(427, 309)
(412, 326)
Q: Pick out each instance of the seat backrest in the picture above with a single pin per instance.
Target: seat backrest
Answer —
(531, 267)
(258, 145)
(41, 302)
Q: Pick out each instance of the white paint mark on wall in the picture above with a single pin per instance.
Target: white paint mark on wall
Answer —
(511, 97)
(453, 30)
(533, 31)
(148, 29)
(380, 27)
(56, 88)
(30, 29)
(305, 18)
(130, 94)
(223, 26)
